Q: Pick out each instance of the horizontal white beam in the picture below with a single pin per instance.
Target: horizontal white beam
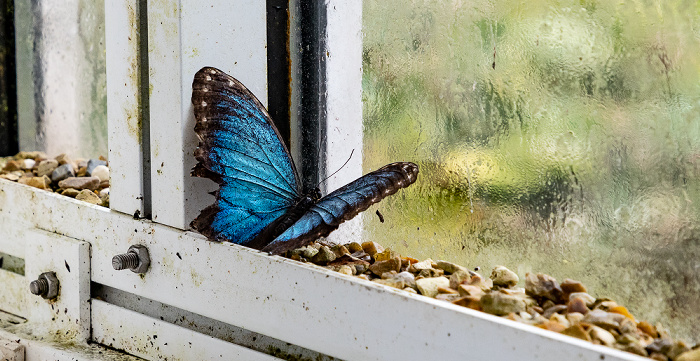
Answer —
(309, 306)
(130, 331)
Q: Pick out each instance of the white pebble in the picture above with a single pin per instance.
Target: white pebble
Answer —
(101, 172)
(104, 192)
(28, 163)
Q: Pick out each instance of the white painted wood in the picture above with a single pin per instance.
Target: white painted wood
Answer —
(37, 349)
(130, 331)
(124, 105)
(69, 314)
(344, 103)
(305, 305)
(11, 241)
(184, 36)
(15, 290)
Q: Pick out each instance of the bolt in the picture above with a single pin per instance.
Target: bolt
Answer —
(135, 259)
(46, 285)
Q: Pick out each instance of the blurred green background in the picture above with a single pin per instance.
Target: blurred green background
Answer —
(560, 137)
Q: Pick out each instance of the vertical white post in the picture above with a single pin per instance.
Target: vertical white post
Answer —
(344, 102)
(184, 36)
(124, 121)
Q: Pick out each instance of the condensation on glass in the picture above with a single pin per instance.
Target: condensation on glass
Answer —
(555, 137)
(61, 82)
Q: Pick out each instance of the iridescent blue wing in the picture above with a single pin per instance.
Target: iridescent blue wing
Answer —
(344, 204)
(241, 149)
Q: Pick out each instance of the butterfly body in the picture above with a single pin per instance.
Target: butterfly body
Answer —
(259, 203)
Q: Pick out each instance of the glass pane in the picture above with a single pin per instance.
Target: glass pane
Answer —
(61, 79)
(560, 137)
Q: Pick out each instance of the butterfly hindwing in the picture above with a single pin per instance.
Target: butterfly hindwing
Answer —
(344, 204)
(240, 149)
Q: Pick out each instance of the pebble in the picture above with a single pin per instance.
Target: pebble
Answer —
(502, 303)
(346, 270)
(92, 164)
(354, 247)
(36, 182)
(12, 166)
(587, 299)
(324, 256)
(46, 167)
(450, 267)
(88, 196)
(604, 337)
(70, 192)
(379, 267)
(372, 248)
(27, 164)
(104, 192)
(429, 286)
(504, 277)
(10, 176)
(101, 172)
(62, 172)
(422, 265)
(692, 355)
(606, 320)
(458, 277)
(90, 183)
(543, 286)
(408, 278)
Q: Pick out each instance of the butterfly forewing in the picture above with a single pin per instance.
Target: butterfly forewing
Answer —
(242, 150)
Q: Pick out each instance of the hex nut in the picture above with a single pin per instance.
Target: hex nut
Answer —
(52, 283)
(144, 258)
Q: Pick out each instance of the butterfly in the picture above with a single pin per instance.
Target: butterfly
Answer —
(259, 202)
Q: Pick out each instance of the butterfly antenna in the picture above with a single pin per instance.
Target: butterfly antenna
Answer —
(341, 167)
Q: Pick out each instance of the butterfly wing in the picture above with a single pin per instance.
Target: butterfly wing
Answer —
(241, 149)
(344, 204)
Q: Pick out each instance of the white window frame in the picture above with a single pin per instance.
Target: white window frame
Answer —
(304, 305)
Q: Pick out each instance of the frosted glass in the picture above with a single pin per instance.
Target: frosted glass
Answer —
(552, 136)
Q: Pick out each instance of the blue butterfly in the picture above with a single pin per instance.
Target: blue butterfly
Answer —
(259, 203)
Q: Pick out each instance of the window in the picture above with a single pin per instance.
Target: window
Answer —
(560, 138)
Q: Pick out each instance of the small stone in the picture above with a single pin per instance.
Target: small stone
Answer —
(70, 192)
(309, 252)
(577, 305)
(372, 248)
(448, 297)
(543, 286)
(30, 155)
(647, 328)
(587, 299)
(92, 164)
(622, 310)
(81, 162)
(574, 317)
(429, 286)
(502, 303)
(408, 278)
(105, 201)
(447, 290)
(36, 182)
(354, 247)
(504, 277)
(552, 326)
(470, 290)
(104, 192)
(658, 356)
(678, 348)
(469, 302)
(379, 267)
(577, 331)
(561, 319)
(360, 268)
(46, 167)
(606, 320)
(10, 176)
(27, 164)
(82, 172)
(101, 172)
(554, 310)
(90, 183)
(570, 286)
(323, 256)
(604, 337)
(385, 255)
(634, 348)
(346, 270)
(450, 267)
(392, 282)
(410, 290)
(422, 265)
(12, 166)
(429, 273)
(89, 196)
(458, 277)
(692, 355)
(62, 172)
